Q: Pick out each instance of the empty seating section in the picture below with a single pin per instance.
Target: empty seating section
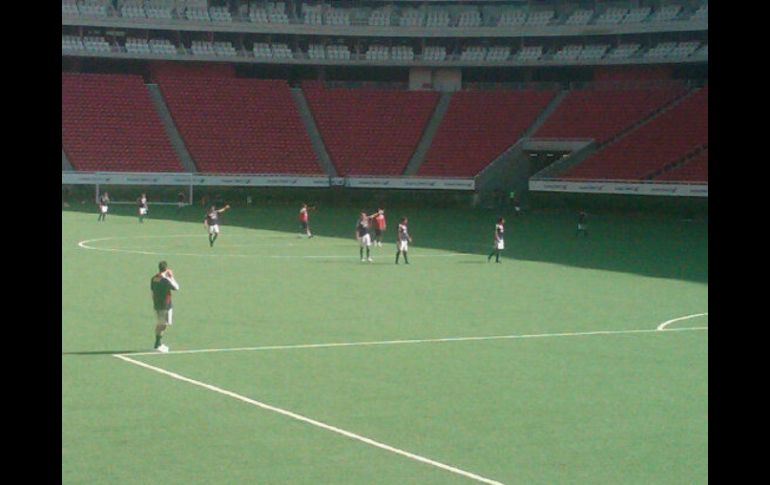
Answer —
(378, 53)
(529, 53)
(568, 52)
(694, 170)
(540, 18)
(239, 125)
(162, 46)
(665, 13)
(411, 17)
(623, 51)
(469, 18)
(380, 17)
(96, 44)
(579, 17)
(434, 53)
(602, 113)
(477, 127)
(402, 53)
(369, 131)
(110, 124)
(636, 15)
(661, 141)
(612, 15)
(137, 46)
(71, 43)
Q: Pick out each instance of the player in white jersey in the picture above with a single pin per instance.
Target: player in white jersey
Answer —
(104, 206)
(403, 240)
(499, 242)
(141, 203)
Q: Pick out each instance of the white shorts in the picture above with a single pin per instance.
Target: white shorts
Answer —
(403, 246)
(163, 317)
(142, 211)
(366, 240)
(500, 244)
(581, 227)
(103, 209)
(214, 229)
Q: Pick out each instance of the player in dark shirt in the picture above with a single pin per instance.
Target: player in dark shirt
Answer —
(582, 224)
(363, 236)
(104, 203)
(211, 222)
(402, 244)
(161, 286)
(141, 203)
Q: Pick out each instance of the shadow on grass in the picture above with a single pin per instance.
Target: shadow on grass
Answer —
(654, 245)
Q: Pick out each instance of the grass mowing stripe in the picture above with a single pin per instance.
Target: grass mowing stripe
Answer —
(313, 422)
(421, 341)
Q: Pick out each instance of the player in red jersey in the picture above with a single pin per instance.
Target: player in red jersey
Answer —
(304, 219)
(379, 226)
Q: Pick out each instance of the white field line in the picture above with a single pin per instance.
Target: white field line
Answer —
(353, 255)
(663, 325)
(418, 341)
(314, 422)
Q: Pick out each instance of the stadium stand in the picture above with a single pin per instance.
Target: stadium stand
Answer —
(694, 170)
(512, 18)
(604, 112)
(239, 125)
(478, 126)
(369, 131)
(434, 53)
(613, 15)
(579, 17)
(540, 18)
(665, 13)
(137, 46)
(636, 15)
(530, 53)
(624, 51)
(663, 140)
(110, 124)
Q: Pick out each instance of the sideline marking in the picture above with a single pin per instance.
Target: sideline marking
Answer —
(663, 325)
(313, 422)
(84, 244)
(417, 341)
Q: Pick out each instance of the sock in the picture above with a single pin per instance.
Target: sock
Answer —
(406, 260)
(398, 253)
(489, 258)
(211, 241)
(367, 251)
(497, 257)
(157, 341)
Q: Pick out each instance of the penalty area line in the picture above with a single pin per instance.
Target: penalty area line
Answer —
(417, 341)
(312, 422)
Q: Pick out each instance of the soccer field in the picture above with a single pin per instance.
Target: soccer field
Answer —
(575, 361)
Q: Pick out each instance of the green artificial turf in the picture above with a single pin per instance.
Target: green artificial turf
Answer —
(619, 407)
